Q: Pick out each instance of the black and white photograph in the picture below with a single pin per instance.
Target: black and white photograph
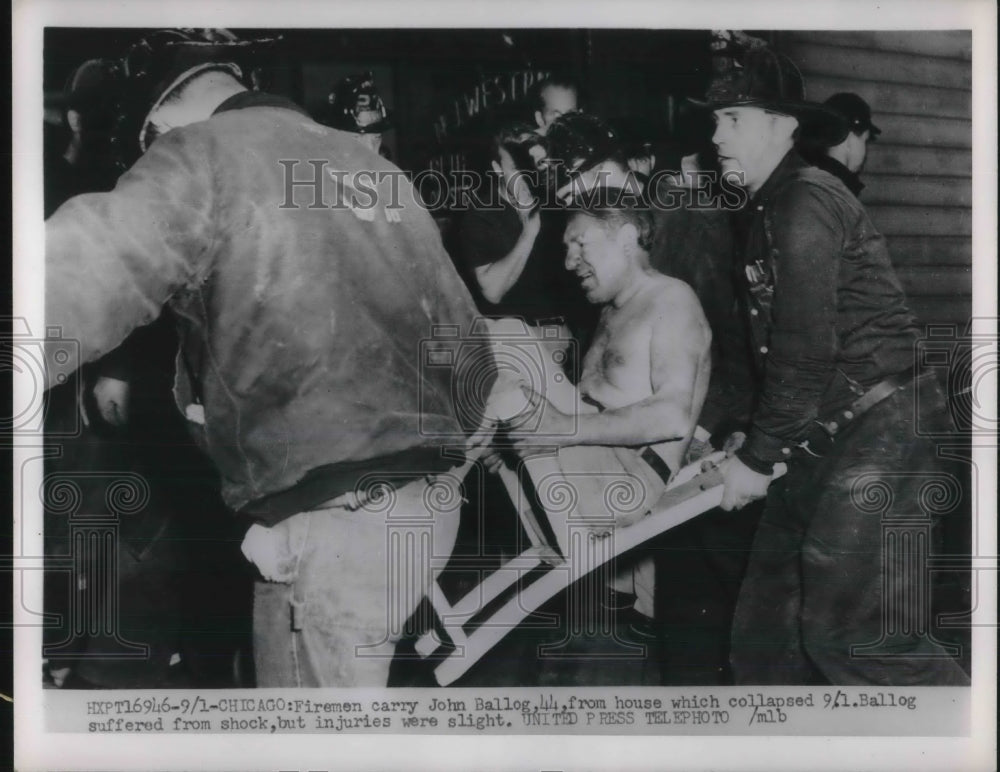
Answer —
(533, 386)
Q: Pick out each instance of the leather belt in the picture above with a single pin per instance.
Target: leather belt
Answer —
(876, 394)
(550, 321)
(657, 464)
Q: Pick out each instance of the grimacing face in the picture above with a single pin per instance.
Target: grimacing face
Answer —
(597, 257)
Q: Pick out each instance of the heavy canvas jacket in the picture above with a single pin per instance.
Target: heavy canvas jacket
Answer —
(306, 310)
(828, 317)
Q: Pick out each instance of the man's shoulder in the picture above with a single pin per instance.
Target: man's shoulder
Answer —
(673, 304)
(809, 195)
(668, 291)
(810, 184)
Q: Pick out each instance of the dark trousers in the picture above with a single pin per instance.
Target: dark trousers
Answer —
(837, 589)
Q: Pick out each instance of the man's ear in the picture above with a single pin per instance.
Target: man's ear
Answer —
(628, 238)
(789, 124)
(538, 119)
(75, 121)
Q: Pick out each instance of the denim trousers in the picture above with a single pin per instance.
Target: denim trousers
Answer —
(836, 589)
(355, 577)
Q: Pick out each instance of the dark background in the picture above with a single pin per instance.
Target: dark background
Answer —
(643, 75)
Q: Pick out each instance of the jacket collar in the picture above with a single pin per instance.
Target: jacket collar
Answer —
(246, 99)
(841, 172)
(788, 165)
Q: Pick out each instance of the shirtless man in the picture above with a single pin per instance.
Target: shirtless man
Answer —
(648, 366)
(647, 370)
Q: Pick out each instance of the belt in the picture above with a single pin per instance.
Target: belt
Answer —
(657, 464)
(881, 391)
(878, 393)
(550, 321)
(356, 499)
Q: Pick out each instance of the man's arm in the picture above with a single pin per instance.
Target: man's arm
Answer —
(113, 259)
(808, 236)
(496, 278)
(679, 350)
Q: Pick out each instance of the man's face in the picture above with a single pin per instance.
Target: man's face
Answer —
(556, 100)
(597, 258)
(857, 151)
(749, 142)
(514, 180)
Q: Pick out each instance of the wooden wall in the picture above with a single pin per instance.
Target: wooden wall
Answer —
(918, 173)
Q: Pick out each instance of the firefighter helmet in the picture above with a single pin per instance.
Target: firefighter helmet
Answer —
(356, 106)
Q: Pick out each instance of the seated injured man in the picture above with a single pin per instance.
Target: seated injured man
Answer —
(622, 433)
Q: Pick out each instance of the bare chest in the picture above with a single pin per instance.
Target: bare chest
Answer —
(616, 368)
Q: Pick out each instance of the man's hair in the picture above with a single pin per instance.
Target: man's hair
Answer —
(559, 80)
(616, 207)
(180, 91)
(90, 93)
(517, 138)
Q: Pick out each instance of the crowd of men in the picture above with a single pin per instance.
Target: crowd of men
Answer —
(769, 324)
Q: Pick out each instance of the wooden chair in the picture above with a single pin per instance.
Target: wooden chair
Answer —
(564, 548)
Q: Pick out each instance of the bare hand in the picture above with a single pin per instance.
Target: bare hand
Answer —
(112, 398)
(541, 424)
(742, 484)
(697, 450)
(531, 220)
(492, 461)
(733, 443)
(261, 547)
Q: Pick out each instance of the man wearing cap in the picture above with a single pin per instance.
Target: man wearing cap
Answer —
(303, 316)
(844, 155)
(834, 344)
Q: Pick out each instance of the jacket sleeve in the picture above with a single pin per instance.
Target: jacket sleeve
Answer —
(807, 234)
(113, 259)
